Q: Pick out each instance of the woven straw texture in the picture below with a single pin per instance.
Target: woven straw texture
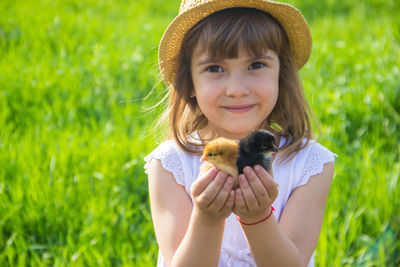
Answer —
(192, 11)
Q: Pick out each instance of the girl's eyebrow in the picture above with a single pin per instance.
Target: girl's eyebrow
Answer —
(267, 57)
(205, 61)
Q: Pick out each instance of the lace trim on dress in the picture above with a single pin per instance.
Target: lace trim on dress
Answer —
(316, 160)
(170, 160)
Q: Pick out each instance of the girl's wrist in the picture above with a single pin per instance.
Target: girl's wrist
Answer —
(256, 219)
(205, 218)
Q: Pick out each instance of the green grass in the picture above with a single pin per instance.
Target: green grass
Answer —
(73, 80)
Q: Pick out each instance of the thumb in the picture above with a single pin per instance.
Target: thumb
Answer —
(203, 181)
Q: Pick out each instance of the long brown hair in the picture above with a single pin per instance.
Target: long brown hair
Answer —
(222, 35)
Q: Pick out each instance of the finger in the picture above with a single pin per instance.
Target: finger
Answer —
(257, 186)
(240, 204)
(264, 176)
(229, 203)
(205, 167)
(223, 194)
(273, 193)
(211, 191)
(268, 181)
(248, 194)
(203, 181)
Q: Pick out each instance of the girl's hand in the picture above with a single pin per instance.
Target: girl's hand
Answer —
(255, 195)
(212, 195)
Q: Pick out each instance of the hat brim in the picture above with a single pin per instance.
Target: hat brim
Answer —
(289, 17)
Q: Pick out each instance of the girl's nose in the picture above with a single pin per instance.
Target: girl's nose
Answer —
(236, 86)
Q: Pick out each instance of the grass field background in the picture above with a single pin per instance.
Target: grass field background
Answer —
(73, 132)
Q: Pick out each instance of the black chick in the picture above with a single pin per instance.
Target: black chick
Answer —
(256, 148)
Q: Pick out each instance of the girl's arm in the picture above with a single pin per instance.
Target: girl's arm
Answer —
(292, 241)
(189, 235)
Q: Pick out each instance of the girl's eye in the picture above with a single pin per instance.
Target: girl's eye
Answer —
(256, 65)
(214, 68)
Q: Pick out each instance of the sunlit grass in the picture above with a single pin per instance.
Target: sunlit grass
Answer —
(73, 80)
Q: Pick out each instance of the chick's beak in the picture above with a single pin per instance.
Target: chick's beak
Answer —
(204, 158)
(274, 148)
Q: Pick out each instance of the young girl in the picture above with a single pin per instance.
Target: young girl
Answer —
(231, 68)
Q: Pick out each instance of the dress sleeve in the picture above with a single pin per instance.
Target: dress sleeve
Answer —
(314, 163)
(170, 159)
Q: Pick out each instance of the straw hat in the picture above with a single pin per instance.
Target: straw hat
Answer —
(192, 11)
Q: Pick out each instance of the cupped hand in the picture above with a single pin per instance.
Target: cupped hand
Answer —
(255, 195)
(212, 194)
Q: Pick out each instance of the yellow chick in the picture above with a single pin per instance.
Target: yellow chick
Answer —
(221, 153)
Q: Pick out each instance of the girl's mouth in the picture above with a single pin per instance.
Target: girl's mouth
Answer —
(238, 108)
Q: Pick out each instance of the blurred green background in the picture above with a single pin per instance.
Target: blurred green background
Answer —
(74, 76)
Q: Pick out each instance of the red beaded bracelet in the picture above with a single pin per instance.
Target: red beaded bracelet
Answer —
(266, 218)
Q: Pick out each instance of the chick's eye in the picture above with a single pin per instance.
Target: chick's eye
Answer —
(256, 65)
(211, 154)
(214, 69)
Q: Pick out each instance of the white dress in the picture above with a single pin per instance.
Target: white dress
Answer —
(290, 175)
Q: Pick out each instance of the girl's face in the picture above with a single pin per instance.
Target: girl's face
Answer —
(236, 95)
